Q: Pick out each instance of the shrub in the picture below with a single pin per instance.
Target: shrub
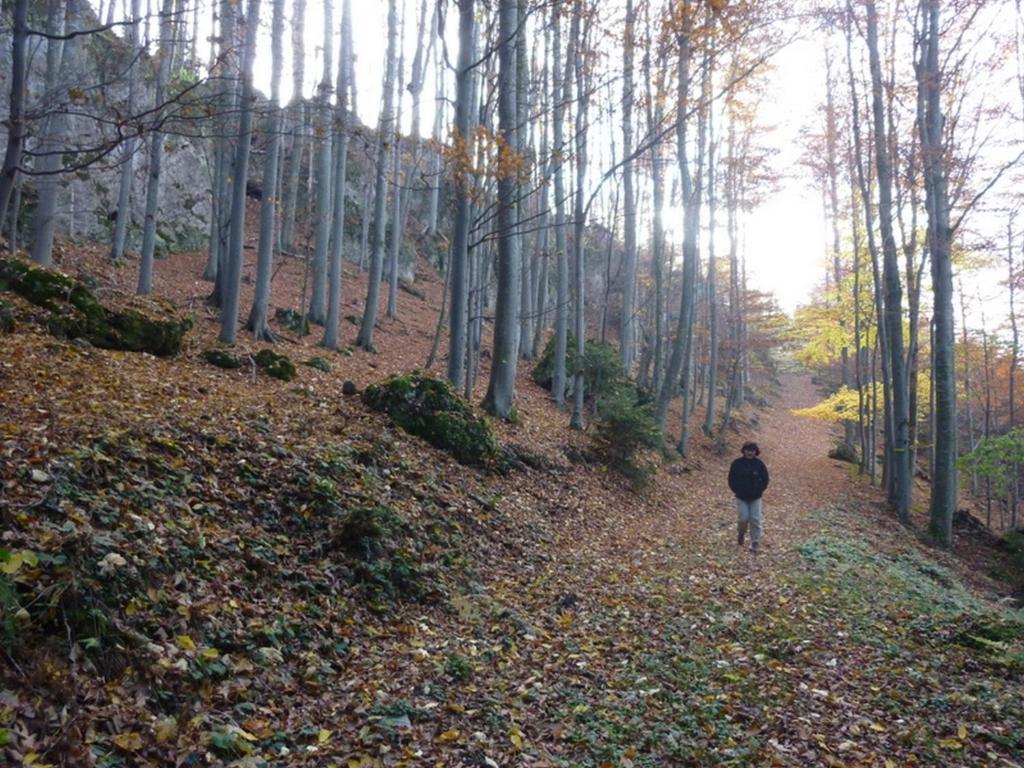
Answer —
(431, 409)
(602, 369)
(7, 324)
(294, 321)
(625, 428)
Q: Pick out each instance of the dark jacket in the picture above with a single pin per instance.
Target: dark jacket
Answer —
(748, 478)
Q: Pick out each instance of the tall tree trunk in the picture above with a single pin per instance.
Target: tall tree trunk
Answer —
(526, 258)
(943, 501)
(49, 163)
(712, 281)
(832, 166)
(501, 386)
(579, 214)
(227, 69)
(462, 188)
(562, 87)
(968, 392)
(236, 238)
(900, 485)
(435, 155)
(857, 162)
(395, 244)
(384, 128)
(123, 213)
(628, 324)
(345, 66)
(156, 153)
(324, 186)
(297, 121)
(16, 113)
(259, 313)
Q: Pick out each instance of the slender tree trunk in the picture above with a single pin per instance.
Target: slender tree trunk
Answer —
(124, 212)
(900, 486)
(944, 486)
(345, 66)
(297, 120)
(628, 325)
(395, 244)
(526, 313)
(501, 386)
(712, 281)
(324, 185)
(385, 127)
(579, 214)
(236, 238)
(259, 312)
(562, 86)
(462, 187)
(16, 114)
(49, 162)
(224, 177)
(156, 152)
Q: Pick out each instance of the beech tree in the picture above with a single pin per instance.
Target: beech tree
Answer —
(501, 385)
(384, 127)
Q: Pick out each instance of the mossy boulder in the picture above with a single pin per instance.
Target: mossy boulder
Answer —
(319, 363)
(222, 358)
(431, 409)
(75, 312)
(277, 365)
(843, 451)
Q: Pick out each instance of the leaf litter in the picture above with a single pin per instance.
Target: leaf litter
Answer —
(209, 567)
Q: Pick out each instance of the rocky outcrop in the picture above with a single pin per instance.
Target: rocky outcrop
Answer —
(95, 98)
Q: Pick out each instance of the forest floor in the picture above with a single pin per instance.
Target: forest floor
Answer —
(180, 586)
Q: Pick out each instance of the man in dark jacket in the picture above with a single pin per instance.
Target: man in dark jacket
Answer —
(748, 479)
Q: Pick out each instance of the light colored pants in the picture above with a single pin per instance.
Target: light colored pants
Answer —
(749, 512)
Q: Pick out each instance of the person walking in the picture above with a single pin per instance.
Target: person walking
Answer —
(748, 479)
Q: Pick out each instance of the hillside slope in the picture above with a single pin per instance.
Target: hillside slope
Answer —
(209, 567)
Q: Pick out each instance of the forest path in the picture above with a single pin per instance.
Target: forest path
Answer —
(664, 643)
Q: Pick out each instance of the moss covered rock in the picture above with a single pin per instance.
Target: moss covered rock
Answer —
(222, 358)
(278, 366)
(319, 363)
(431, 409)
(75, 312)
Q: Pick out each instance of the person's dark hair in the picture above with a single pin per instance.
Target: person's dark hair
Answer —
(748, 446)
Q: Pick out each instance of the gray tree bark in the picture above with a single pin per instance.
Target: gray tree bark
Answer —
(156, 152)
(900, 485)
(236, 240)
(49, 151)
(501, 386)
(124, 212)
(461, 184)
(297, 121)
(627, 323)
(324, 189)
(384, 128)
(395, 244)
(259, 314)
(579, 215)
(930, 124)
(562, 92)
(330, 340)
(16, 113)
